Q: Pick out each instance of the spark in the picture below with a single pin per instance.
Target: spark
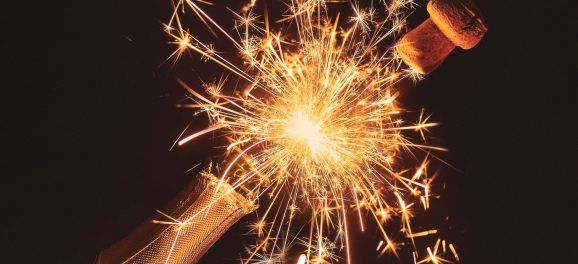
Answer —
(424, 233)
(302, 259)
(455, 253)
(433, 256)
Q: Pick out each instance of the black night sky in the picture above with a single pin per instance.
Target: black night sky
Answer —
(88, 120)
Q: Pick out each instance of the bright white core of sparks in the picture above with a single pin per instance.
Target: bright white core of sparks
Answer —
(300, 128)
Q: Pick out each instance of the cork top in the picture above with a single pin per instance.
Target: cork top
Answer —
(460, 20)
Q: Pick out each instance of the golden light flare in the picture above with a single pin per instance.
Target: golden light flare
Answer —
(314, 125)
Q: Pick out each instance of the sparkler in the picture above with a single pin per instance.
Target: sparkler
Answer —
(316, 128)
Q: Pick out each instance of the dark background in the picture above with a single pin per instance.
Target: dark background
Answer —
(87, 123)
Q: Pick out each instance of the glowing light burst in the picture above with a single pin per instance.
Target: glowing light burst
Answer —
(317, 127)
